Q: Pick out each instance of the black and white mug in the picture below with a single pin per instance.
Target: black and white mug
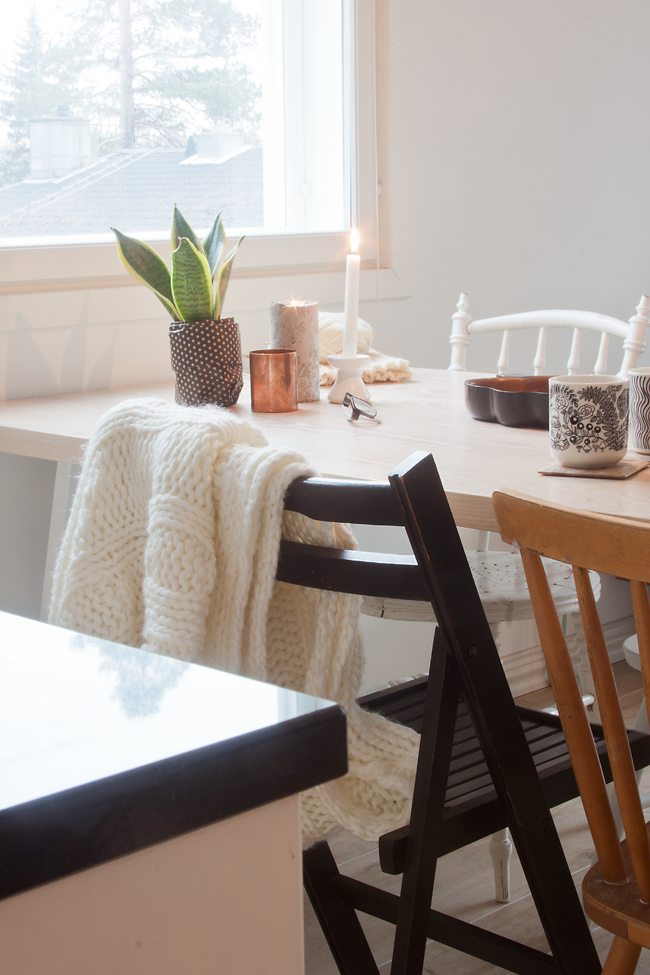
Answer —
(588, 420)
(639, 380)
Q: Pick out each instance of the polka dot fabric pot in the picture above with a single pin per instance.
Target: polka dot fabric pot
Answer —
(206, 357)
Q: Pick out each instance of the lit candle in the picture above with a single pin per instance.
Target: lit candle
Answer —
(353, 266)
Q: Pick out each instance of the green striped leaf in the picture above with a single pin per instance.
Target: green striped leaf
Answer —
(223, 280)
(146, 266)
(181, 228)
(191, 283)
(214, 243)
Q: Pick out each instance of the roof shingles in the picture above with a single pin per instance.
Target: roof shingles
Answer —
(136, 191)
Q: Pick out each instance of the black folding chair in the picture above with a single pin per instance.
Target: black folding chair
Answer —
(483, 763)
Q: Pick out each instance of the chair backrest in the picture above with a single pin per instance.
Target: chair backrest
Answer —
(620, 548)
(348, 570)
(632, 333)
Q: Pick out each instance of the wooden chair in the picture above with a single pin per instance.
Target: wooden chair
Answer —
(483, 764)
(501, 584)
(616, 891)
(632, 333)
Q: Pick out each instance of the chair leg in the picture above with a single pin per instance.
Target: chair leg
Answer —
(434, 757)
(623, 958)
(339, 921)
(500, 845)
(501, 851)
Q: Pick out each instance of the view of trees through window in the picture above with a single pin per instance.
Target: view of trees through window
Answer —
(116, 109)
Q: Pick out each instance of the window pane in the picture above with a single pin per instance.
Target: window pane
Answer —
(111, 117)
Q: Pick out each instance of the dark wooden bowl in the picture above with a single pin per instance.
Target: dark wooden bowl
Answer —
(514, 401)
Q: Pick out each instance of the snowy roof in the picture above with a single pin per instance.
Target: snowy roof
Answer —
(135, 191)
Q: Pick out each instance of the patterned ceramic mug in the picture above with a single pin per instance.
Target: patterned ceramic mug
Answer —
(588, 420)
(639, 380)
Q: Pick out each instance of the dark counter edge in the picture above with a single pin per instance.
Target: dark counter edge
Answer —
(53, 837)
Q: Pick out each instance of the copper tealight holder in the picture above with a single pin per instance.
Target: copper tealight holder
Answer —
(273, 381)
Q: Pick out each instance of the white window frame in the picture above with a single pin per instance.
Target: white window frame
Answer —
(315, 261)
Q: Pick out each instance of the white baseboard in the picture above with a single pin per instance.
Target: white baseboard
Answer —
(526, 669)
(616, 633)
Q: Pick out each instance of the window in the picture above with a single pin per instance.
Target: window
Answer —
(241, 106)
(70, 317)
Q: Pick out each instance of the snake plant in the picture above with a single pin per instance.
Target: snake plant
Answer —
(195, 290)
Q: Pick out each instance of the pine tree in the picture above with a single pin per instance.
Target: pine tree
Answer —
(142, 72)
(153, 71)
(34, 86)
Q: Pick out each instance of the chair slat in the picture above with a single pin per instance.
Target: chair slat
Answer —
(356, 502)
(582, 749)
(345, 570)
(618, 747)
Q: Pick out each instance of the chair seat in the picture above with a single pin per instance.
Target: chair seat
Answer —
(617, 909)
(501, 583)
(472, 809)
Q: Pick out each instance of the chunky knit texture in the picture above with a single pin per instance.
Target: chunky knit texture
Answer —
(172, 546)
(381, 368)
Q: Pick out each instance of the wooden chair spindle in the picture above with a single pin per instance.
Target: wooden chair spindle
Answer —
(618, 748)
(504, 355)
(589, 775)
(573, 364)
(540, 354)
(601, 362)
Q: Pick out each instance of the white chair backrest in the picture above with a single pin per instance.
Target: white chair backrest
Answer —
(632, 333)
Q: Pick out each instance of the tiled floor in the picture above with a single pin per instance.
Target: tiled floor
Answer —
(465, 885)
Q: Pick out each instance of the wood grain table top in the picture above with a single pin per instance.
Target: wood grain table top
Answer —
(474, 458)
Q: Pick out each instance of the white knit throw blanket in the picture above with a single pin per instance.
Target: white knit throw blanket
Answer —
(172, 546)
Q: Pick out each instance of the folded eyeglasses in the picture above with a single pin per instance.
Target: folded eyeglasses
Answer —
(354, 407)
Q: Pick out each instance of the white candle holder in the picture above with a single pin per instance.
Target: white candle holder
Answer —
(348, 379)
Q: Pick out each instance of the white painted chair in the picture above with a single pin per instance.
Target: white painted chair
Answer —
(499, 576)
(632, 333)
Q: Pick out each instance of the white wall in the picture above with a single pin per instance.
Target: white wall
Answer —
(26, 489)
(514, 142)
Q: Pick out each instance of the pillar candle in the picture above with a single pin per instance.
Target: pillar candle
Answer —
(294, 325)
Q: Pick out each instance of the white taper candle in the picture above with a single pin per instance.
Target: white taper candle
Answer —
(352, 271)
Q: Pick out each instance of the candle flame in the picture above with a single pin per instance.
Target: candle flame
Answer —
(354, 240)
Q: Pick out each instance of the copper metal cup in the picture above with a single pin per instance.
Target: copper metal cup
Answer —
(273, 381)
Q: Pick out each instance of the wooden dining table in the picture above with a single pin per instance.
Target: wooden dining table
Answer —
(474, 458)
